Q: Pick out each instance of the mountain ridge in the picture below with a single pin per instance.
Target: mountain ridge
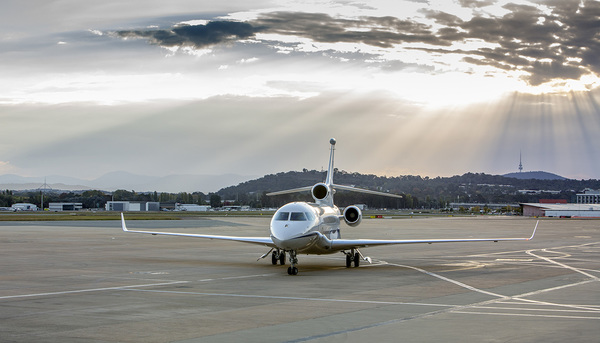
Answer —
(112, 181)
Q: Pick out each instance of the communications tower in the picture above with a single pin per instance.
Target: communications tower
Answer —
(520, 163)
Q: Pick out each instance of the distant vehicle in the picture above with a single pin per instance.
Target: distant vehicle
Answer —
(314, 228)
(23, 207)
(191, 208)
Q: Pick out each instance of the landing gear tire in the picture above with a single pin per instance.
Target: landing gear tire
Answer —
(348, 260)
(356, 259)
(292, 271)
(274, 257)
(281, 258)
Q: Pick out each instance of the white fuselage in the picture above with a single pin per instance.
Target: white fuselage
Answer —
(301, 226)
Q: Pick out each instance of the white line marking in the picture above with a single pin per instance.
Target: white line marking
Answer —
(458, 283)
(90, 290)
(531, 309)
(530, 252)
(525, 315)
(237, 277)
(288, 298)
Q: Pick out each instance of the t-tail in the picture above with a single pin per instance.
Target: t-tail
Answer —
(323, 192)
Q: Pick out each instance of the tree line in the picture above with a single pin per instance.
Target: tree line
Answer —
(418, 192)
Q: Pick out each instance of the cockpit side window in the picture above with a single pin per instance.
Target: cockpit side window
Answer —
(298, 216)
(283, 216)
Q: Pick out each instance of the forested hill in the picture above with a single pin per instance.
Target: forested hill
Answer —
(539, 175)
(419, 191)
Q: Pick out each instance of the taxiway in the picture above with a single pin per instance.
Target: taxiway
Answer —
(90, 282)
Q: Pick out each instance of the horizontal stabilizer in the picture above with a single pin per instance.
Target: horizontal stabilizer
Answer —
(366, 191)
(335, 186)
(290, 191)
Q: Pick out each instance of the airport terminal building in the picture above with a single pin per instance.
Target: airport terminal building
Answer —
(65, 206)
(127, 206)
(589, 196)
(561, 210)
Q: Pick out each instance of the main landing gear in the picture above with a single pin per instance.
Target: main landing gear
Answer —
(278, 256)
(354, 256)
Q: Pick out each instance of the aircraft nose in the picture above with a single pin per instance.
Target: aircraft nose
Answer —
(282, 231)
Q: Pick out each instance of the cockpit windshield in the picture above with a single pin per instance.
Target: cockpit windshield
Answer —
(295, 216)
(298, 217)
(301, 216)
(282, 216)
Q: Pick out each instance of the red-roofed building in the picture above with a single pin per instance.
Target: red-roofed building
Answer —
(553, 201)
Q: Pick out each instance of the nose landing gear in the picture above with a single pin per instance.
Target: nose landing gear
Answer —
(292, 270)
(278, 256)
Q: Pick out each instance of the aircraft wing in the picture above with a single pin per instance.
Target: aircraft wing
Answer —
(345, 244)
(254, 240)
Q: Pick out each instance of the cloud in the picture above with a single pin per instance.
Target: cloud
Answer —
(560, 42)
(197, 36)
(541, 42)
(383, 32)
(476, 3)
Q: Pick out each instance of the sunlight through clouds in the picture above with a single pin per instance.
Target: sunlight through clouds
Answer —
(412, 87)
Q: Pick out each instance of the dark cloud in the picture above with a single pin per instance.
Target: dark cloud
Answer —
(376, 31)
(382, 32)
(562, 43)
(197, 36)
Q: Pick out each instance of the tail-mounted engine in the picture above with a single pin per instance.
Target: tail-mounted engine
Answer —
(352, 215)
(320, 191)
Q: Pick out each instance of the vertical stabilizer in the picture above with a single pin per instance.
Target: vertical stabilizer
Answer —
(329, 179)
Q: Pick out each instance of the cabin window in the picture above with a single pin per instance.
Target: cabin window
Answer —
(282, 216)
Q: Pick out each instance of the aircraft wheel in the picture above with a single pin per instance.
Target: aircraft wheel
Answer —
(274, 258)
(292, 271)
(281, 258)
(348, 260)
(356, 259)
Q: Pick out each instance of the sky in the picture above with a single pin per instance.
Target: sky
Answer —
(414, 87)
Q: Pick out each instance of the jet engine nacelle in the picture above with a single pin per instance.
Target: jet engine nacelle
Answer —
(320, 191)
(352, 215)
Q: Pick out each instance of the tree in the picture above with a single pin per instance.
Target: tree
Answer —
(6, 198)
(123, 195)
(215, 200)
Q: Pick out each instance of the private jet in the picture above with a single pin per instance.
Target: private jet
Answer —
(314, 227)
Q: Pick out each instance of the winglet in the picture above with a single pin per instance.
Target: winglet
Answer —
(123, 223)
(534, 229)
